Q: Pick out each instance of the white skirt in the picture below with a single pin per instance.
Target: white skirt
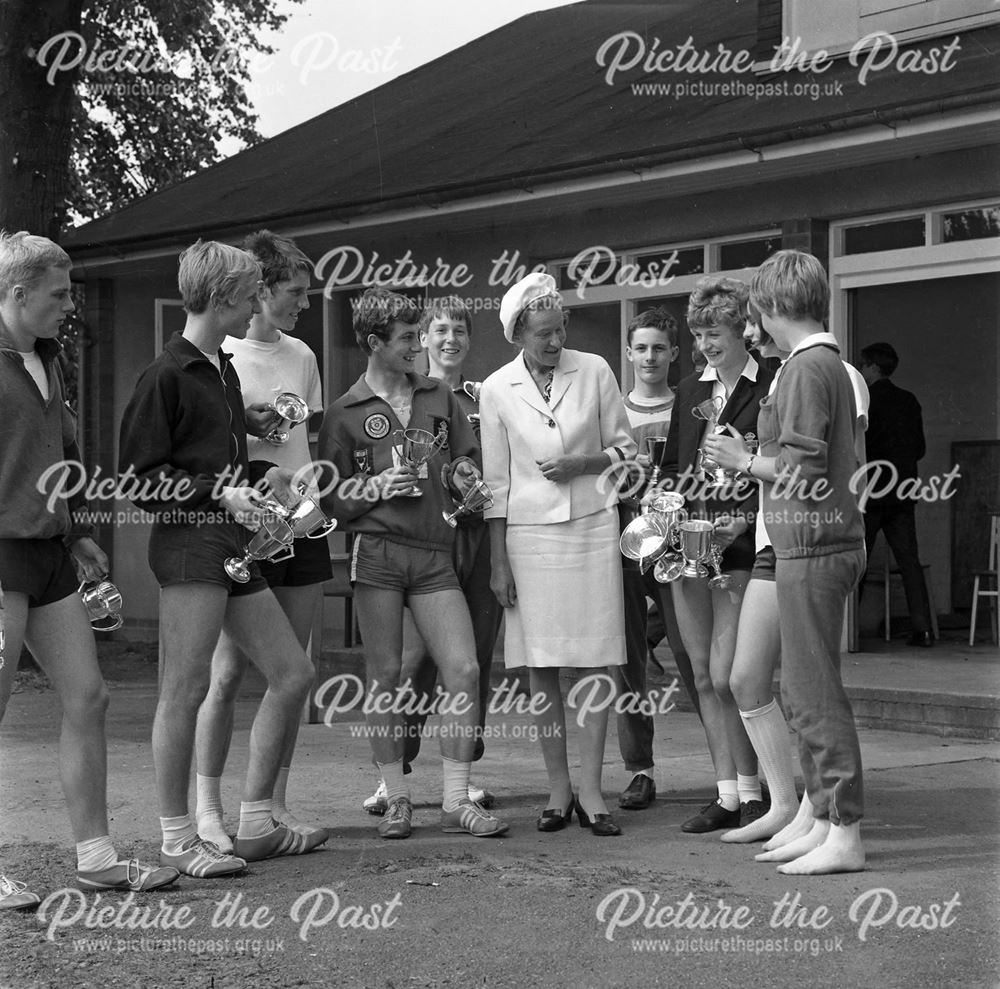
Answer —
(569, 610)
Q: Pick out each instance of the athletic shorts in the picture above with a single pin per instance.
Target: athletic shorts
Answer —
(181, 554)
(41, 568)
(380, 562)
(763, 564)
(310, 565)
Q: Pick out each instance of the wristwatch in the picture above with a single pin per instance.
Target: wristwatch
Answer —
(748, 469)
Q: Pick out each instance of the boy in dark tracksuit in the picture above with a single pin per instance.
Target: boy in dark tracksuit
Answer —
(808, 452)
(402, 549)
(41, 538)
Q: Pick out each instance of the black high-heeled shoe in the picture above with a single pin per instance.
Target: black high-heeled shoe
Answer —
(555, 820)
(602, 825)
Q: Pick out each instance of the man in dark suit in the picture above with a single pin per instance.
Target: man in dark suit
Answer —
(896, 434)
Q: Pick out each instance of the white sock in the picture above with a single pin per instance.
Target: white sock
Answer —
(456, 782)
(95, 854)
(255, 818)
(177, 831)
(395, 783)
(729, 794)
(209, 797)
(280, 786)
(643, 772)
(768, 732)
(748, 787)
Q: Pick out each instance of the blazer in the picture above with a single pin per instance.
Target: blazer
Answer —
(585, 415)
(684, 438)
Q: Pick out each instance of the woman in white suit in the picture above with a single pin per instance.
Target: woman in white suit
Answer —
(552, 424)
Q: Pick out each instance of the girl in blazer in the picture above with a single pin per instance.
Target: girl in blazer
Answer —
(708, 618)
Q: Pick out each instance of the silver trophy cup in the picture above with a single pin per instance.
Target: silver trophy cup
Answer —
(103, 602)
(473, 389)
(291, 408)
(478, 497)
(656, 448)
(305, 517)
(274, 536)
(415, 447)
(696, 546)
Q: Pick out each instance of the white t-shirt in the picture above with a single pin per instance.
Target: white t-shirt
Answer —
(267, 369)
(34, 366)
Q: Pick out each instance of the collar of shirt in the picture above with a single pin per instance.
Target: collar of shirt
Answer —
(749, 371)
(817, 340)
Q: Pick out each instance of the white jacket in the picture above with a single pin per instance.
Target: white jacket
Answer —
(586, 415)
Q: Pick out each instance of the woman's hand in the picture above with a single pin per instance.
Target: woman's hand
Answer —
(564, 468)
(92, 560)
(502, 583)
(727, 450)
(727, 529)
(242, 503)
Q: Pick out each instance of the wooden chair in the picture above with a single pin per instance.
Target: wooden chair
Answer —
(885, 579)
(991, 575)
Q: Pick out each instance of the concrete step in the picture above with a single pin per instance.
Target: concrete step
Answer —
(952, 694)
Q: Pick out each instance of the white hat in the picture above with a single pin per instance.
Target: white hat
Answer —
(518, 297)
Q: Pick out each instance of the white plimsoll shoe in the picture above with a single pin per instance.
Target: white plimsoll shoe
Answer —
(377, 803)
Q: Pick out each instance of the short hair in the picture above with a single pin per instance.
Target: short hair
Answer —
(279, 258)
(211, 273)
(25, 257)
(375, 312)
(658, 319)
(883, 356)
(718, 301)
(447, 307)
(792, 284)
(540, 303)
(753, 316)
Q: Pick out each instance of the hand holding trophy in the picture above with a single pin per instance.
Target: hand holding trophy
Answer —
(291, 408)
(414, 447)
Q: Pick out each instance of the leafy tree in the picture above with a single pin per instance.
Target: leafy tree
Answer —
(104, 101)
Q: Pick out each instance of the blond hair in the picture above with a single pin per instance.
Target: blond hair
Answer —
(25, 257)
(211, 273)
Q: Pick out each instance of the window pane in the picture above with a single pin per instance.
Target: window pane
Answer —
(687, 261)
(888, 236)
(972, 224)
(747, 253)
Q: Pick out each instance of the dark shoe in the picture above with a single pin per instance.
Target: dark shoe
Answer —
(639, 794)
(602, 825)
(751, 811)
(712, 817)
(555, 820)
(923, 639)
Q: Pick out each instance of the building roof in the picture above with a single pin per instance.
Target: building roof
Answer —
(529, 104)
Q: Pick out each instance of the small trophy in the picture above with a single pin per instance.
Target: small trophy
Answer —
(291, 408)
(709, 411)
(473, 389)
(273, 536)
(696, 546)
(414, 447)
(478, 497)
(721, 580)
(656, 448)
(103, 602)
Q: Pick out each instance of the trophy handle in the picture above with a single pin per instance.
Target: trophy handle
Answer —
(323, 530)
(115, 622)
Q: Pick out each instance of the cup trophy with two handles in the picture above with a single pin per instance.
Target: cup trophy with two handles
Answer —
(697, 548)
(709, 411)
(305, 517)
(272, 541)
(473, 389)
(414, 448)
